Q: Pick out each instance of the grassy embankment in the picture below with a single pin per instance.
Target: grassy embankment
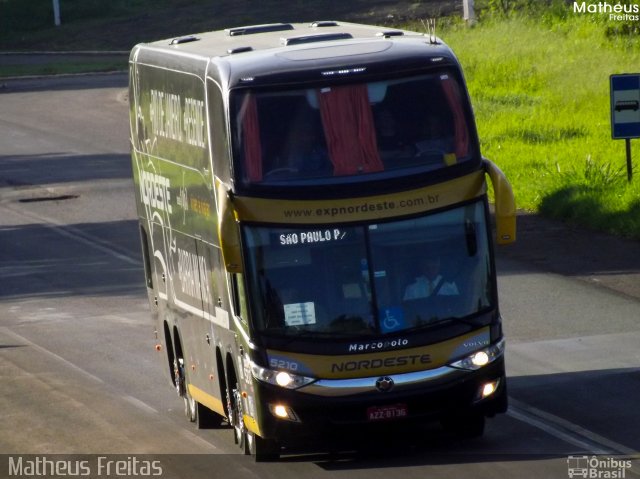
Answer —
(86, 25)
(540, 89)
(63, 67)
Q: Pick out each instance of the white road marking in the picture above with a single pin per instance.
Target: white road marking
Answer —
(130, 399)
(139, 404)
(17, 337)
(588, 441)
(77, 235)
(530, 414)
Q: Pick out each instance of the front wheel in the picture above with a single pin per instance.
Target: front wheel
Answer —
(236, 420)
(264, 450)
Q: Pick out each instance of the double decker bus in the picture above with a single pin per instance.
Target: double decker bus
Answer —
(316, 232)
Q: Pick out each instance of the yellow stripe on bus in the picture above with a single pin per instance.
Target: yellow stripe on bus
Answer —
(360, 209)
(206, 399)
(251, 425)
(215, 405)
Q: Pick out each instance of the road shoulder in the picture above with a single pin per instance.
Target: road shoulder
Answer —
(595, 257)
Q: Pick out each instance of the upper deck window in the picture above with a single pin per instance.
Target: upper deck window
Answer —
(392, 128)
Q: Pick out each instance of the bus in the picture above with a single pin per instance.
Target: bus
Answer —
(316, 233)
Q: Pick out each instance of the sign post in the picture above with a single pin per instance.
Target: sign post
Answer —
(625, 111)
(56, 12)
(468, 11)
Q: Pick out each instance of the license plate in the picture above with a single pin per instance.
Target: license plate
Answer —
(383, 413)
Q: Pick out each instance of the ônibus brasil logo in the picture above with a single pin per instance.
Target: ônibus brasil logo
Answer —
(594, 467)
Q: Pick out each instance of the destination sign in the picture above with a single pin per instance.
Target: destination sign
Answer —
(311, 237)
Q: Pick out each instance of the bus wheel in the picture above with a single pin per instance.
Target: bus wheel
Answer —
(264, 450)
(236, 421)
(178, 376)
(190, 407)
(190, 410)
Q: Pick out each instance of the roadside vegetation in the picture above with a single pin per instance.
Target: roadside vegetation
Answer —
(539, 80)
(538, 75)
(57, 67)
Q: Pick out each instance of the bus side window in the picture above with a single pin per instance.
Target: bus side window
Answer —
(239, 296)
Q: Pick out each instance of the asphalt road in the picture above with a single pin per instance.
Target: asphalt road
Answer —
(78, 373)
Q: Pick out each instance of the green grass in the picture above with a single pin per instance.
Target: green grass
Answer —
(58, 68)
(540, 90)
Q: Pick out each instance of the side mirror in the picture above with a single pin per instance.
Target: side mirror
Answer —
(228, 230)
(505, 204)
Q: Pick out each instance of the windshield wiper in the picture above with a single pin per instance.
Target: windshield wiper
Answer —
(440, 322)
(292, 335)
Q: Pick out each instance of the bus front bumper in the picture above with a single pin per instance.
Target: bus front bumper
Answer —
(424, 396)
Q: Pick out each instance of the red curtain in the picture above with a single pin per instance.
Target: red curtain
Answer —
(251, 138)
(349, 129)
(452, 92)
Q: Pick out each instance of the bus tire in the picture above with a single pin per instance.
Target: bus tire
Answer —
(264, 450)
(180, 381)
(206, 418)
(190, 407)
(236, 421)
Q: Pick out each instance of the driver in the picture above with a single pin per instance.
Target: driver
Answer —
(430, 282)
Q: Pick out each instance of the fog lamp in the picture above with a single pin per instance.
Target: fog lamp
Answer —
(489, 388)
(282, 411)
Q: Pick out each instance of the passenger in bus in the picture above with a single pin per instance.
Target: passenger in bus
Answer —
(306, 151)
(390, 134)
(430, 282)
(434, 138)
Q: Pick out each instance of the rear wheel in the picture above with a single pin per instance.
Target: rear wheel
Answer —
(190, 407)
(180, 382)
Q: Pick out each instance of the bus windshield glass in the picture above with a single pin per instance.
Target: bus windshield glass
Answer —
(389, 128)
(371, 279)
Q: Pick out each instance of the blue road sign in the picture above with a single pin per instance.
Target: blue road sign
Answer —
(625, 106)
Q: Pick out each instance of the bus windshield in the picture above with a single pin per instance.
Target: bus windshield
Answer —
(371, 279)
(394, 127)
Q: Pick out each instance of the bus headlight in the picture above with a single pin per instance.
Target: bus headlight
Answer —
(481, 358)
(279, 378)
